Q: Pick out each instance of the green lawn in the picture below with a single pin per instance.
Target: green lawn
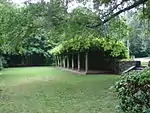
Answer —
(49, 90)
(144, 63)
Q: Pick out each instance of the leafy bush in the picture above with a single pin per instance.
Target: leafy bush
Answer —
(133, 92)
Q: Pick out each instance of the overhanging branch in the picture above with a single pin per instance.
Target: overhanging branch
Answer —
(139, 2)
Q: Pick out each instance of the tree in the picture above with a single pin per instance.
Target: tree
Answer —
(139, 35)
(109, 9)
(16, 24)
(7, 20)
(116, 28)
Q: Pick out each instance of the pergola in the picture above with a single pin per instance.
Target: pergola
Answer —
(73, 61)
(96, 57)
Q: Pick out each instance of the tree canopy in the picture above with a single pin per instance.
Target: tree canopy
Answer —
(16, 25)
(108, 9)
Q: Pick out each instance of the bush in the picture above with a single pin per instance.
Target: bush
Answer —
(133, 92)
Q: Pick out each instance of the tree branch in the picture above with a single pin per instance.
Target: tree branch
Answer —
(120, 11)
(114, 8)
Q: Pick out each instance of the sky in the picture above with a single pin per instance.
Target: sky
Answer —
(71, 6)
(18, 1)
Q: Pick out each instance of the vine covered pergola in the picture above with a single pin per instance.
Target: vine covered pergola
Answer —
(88, 54)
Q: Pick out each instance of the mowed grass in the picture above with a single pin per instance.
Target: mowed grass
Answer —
(50, 90)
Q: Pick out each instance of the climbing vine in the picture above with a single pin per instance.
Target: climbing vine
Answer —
(109, 45)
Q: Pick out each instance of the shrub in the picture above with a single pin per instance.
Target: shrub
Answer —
(133, 92)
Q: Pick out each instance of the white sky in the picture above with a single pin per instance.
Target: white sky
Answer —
(18, 1)
(72, 5)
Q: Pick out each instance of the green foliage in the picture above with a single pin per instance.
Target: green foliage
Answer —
(35, 45)
(116, 28)
(16, 24)
(72, 24)
(78, 44)
(140, 40)
(133, 92)
(21, 30)
(147, 9)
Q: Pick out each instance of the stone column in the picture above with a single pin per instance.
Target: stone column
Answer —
(78, 61)
(64, 63)
(72, 61)
(86, 62)
(56, 61)
(1, 64)
(68, 61)
(61, 61)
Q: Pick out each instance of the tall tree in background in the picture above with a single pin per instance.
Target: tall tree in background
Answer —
(139, 35)
(16, 24)
(109, 9)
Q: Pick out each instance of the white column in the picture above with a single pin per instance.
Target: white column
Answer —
(64, 61)
(78, 61)
(72, 61)
(61, 62)
(86, 62)
(68, 61)
(58, 61)
(128, 47)
(1, 64)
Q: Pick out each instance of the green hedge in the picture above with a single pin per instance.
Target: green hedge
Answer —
(133, 92)
(110, 46)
